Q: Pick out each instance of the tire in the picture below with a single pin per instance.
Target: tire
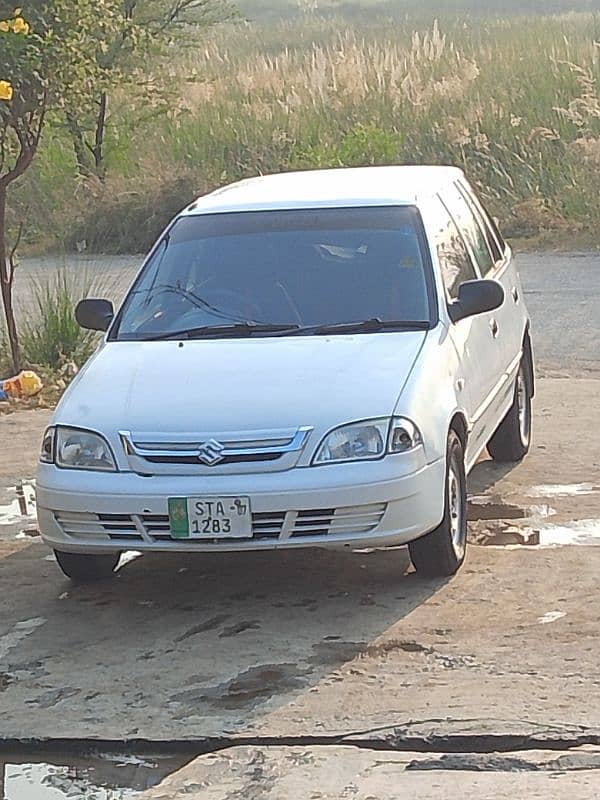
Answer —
(512, 440)
(441, 553)
(87, 567)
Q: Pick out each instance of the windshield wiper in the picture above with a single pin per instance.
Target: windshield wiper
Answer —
(374, 325)
(240, 329)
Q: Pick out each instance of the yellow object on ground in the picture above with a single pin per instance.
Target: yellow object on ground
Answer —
(25, 384)
(6, 90)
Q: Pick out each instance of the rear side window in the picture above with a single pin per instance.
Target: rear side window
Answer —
(470, 227)
(494, 238)
(455, 261)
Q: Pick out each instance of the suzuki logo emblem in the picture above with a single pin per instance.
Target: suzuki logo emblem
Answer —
(211, 452)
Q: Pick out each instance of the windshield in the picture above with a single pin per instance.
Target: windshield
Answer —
(278, 269)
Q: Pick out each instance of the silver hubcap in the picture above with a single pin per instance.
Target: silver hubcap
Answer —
(523, 406)
(455, 506)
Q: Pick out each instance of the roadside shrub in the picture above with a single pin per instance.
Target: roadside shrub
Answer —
(50, 334)
(362, 145)
(118, 218)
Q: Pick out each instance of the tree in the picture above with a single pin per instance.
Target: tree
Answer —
(148, 29)
(47, 56)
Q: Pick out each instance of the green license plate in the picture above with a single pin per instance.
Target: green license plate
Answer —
(210, 517)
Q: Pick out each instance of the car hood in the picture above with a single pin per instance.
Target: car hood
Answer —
(240, 384)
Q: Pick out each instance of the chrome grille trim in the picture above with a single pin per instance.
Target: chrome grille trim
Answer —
(266, 526)
(159, 452)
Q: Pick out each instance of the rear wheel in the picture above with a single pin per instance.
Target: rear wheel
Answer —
(512, 440)
(442, 552)
(86, 567)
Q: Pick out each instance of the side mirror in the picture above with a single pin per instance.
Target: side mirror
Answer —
(96, 315)
(476, 297)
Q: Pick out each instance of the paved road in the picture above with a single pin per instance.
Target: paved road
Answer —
(562, 293)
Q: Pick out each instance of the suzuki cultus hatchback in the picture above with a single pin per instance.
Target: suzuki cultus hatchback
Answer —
(313, 359)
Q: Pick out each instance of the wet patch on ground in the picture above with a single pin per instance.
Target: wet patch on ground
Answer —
(247, 690)
(240, 627)
(57, 776)
(18, 514)
(333, 653)
(208, 625)
(487, 508)
(494, 523)
(563, 490)
(480, 762)
(503, 533)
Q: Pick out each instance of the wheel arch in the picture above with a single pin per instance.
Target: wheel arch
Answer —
(528, 350)
(458, 424)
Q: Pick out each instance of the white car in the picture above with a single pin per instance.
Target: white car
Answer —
(313, 359)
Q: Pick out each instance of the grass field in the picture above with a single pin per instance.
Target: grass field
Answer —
(514, 101)
(276, 9)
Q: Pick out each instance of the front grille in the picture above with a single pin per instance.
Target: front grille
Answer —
(193, 459)
(277, 450)
(327, 522)
(266, 526)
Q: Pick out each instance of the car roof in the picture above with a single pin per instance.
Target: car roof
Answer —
(328, 188)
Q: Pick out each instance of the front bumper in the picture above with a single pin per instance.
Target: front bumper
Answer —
(372, 504)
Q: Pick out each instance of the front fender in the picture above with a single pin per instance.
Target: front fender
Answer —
(432, 397)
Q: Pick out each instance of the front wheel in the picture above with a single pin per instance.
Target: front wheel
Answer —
(87, 567)
(512, 440)
(442, 552)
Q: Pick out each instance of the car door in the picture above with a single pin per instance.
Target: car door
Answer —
(475, 338)
(512, 316)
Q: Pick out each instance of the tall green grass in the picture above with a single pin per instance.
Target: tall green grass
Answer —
(513, 101)
(276, 9)
(51, 339)
(50, 335)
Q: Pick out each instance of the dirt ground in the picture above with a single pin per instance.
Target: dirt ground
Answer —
(327, 676)
(322, 670)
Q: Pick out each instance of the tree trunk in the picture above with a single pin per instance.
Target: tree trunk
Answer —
(6, 286)
(79, 147)
(98, 148)
(82, 147)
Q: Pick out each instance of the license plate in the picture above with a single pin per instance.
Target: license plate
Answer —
(210, 517)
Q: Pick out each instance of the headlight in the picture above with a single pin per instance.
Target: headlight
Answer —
(369, 440)
(404, 436)
(78, 449)
(47, 449)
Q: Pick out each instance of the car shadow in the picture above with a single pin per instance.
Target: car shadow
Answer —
(188, 645)
(486, 474)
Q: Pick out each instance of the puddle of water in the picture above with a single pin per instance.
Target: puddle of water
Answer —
(101, 777)
(540, 512)
(502, 534)
(10, 514)
(560, 490)
(586, 532)
(22, 509)
(494, 523)
(487, 508)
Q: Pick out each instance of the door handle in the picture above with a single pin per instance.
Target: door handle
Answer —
(494, 328)
(515, 294)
